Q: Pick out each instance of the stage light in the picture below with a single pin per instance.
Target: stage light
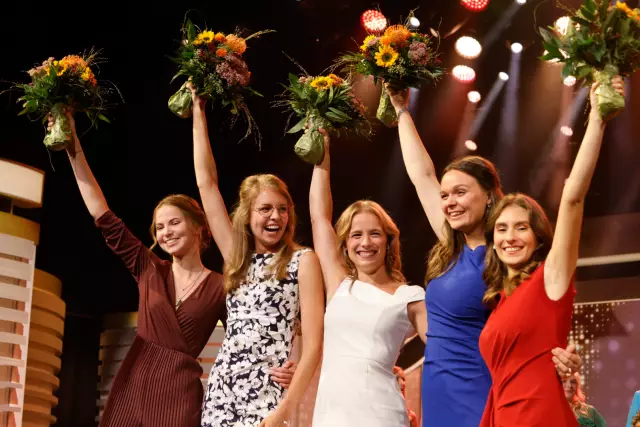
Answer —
(474, 97)
(516, 47)
(414, 22)
(562, 24)
(569, 81)
(521, 1)
(468, 47)
(463, 74)
(475, 5)
(373, 21)
(471, 146)
(566, 130)
(503, 76)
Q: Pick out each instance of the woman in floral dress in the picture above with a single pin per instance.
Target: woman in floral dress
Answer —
(272, 285)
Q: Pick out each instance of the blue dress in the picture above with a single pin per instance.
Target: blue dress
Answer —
(455, 379)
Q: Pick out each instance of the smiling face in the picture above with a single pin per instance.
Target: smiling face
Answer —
(570, 385)
(463, 201)
(367, 243)
(514, 238)
(268, 220)
(175, 234)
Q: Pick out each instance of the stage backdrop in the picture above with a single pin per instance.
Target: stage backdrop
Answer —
(608, 338)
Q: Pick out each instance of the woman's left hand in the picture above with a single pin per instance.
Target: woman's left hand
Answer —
(277, 418)
(566, 361)
(284, 375)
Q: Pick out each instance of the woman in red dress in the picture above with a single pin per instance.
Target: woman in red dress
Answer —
(529, 275)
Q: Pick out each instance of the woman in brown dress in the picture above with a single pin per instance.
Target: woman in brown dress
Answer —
(158, 383)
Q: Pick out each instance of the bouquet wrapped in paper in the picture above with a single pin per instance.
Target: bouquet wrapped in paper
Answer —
(322, 102)
(56, 85)
(399, 56)
(600, 42)
(213, 62)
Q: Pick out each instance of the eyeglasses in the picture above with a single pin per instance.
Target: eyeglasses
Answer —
(266, 211)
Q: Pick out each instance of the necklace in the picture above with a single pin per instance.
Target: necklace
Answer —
(185, 290)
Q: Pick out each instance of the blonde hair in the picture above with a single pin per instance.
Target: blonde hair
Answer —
(444, 253)
(578, 400)
(243, 243)
(495, 273)
(392, 258)
(192, 211)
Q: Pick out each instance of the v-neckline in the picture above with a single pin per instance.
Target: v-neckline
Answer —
(197, 289)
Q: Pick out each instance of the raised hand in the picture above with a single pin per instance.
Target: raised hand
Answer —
(399, 97)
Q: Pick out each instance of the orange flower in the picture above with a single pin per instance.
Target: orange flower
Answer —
(220, 38)
(385, 40)
(221, 53)
(398, 34)
(336, 79)
(236, 44)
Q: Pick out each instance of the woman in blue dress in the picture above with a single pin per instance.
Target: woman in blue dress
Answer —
(455, 379)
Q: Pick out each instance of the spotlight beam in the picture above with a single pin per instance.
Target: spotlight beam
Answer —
(499, 27)
(483, 112)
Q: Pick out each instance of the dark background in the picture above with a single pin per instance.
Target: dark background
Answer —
(145, 154)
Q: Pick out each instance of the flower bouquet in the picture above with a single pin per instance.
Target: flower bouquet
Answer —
(601, 41)
(60, 84)
(213, 63)
(322, 102)
(398, 56)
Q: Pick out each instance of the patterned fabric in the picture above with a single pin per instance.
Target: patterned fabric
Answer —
(262, 318)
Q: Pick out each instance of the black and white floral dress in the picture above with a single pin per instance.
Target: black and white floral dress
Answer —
(262, 318)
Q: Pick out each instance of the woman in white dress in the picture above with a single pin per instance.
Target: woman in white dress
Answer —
(370, 311)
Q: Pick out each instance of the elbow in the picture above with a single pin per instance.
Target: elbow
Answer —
(205, 183)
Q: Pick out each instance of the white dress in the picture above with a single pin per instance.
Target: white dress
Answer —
(364, 329)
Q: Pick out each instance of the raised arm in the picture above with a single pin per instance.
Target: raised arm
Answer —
(312, 325)
(89, 189)
(207, 179)
(324, 236)
(418, 163)
(563, 255)
(122, 242)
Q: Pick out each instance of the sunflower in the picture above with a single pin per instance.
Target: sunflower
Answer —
(236, 44)
(321, 83)
(386, 56)
(365, 44)
(204, 37)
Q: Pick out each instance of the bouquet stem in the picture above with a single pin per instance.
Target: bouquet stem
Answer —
(60, 135)
(310, 146)
(610, 102)
(180, 102)
(386, 112)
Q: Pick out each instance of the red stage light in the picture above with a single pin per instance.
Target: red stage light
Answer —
(475, 5)
(373, 21)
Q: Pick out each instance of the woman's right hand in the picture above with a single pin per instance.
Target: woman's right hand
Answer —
(399, 97)
(74, 144)
(326, 137)
(198, 101)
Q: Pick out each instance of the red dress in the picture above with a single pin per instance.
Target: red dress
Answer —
(516, 344)
(158, 383)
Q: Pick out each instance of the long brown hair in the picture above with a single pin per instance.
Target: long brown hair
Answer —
(495, 273)
(444, 254)
(192, 211)
(243, 243)
(636, 419)
(392, 258)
